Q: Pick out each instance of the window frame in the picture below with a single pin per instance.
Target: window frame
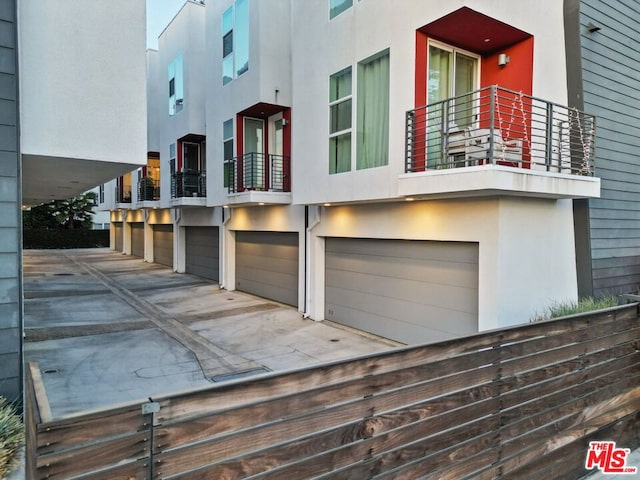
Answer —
(347, 131)
(227, 163)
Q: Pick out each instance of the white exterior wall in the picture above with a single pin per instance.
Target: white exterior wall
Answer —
(322, 47)
(154, 101)
(89, 104)
(520, 272)
(184, 35)
(269, 70)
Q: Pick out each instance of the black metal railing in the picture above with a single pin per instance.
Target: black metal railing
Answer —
(188, 184)
(259, 171)
(148, 190)
(499, 126)
(123, 195)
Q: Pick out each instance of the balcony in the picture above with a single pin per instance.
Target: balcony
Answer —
(259, 178)
(148, 190)
(189, 188)
(497, 141)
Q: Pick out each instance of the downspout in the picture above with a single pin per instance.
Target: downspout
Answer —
(224, 245)
(307, 260)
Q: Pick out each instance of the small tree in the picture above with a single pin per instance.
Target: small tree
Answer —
(73, 213)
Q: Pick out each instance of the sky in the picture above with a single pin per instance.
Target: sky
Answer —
(159, 14)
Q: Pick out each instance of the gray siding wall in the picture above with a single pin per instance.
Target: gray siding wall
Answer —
(10, 212)
(610, 72)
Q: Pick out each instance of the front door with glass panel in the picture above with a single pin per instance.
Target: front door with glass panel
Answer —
(452, 79)
(253, 168)
(276, 151)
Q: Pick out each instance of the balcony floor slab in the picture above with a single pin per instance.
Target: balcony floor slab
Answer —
(491, 180)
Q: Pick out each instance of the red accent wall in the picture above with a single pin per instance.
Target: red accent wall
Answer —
(516, 75)
(422, 53)
(239, 135)
(179, 156)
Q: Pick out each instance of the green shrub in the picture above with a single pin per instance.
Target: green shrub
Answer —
(11, 437)
(63, 238)
(588, 304)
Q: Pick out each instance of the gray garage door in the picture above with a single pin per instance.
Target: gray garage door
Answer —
(267, 265)
(409, 291)
(137, 239)
(202, 251)
(117, 230)
(163, 244)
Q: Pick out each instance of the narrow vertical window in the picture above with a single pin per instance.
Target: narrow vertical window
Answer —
(340, 106)
(172, 158)
(372, 132)
(227, 46)
(227, 142)
(176, 86)
(241, 46)
(235, 41)
(336, 7)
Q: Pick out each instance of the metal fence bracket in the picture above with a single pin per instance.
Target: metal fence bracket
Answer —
(151, 407)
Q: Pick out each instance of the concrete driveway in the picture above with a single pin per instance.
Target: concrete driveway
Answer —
(107, 328)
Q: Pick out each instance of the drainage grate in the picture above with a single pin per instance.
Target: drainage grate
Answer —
(63, 274)
(50, 370)
(236, 375)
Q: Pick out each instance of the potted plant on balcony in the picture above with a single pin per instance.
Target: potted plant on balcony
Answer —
(147, 188)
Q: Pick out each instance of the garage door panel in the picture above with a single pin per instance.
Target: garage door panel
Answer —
(202, 252)
(267, 265)
(413, 293)
(446, 251)
(270, 264)
(393, 328)
(394, 268)
(280, 252)
(271, 291)
(277, 278)
(137, 239)
(410, 291)
(163, 244)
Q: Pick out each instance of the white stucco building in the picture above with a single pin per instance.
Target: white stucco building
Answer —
(405, 171)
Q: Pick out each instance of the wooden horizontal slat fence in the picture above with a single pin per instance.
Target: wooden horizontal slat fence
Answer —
(516, 403)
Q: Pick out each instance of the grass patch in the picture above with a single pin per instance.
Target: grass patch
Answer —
(588, 304)
(11, 437)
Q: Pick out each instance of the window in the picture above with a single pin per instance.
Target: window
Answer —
(372, 133)
(101, 193)
(340, 121)
(172, 158)
(235, 41)
(176, 86)
(227, 142)
(336, 7)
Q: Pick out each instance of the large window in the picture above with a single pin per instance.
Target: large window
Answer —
(176, 86)
(336, 7)
(235, 41)
(227, 141)
(340, 111)
(372, 134)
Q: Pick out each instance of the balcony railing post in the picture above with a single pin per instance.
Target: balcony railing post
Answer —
(493, 98)
(408, 139)
(549, 133)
